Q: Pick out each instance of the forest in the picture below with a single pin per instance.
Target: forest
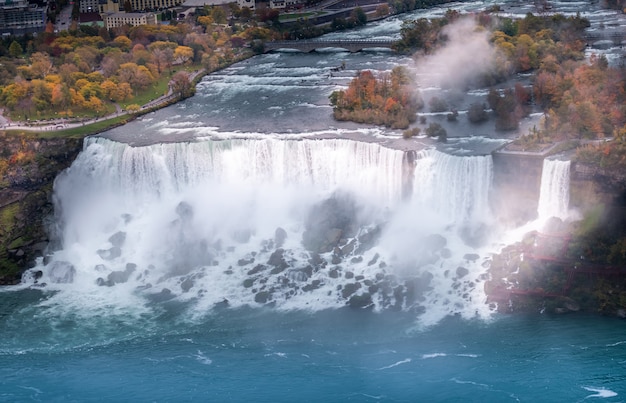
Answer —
(85, 73)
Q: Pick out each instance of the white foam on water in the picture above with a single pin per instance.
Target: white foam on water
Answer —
(405, 361)
(433, 355)
(600, 392)
(203, 359)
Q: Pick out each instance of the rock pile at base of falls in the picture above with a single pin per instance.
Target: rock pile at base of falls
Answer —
(329, 222)
(337, 264)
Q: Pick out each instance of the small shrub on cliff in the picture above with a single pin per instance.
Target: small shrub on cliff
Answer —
(452, 116)
(437, 104)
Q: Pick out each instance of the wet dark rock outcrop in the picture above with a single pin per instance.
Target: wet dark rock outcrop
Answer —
(119, 276)
(329, 222)
(61, 272)
(25, 197)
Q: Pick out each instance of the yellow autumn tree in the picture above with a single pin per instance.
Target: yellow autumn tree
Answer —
(182, 54)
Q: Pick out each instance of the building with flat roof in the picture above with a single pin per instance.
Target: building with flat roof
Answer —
(113, 6)
(18, 17)
(88, 6)
(135, 19)
(247, 3)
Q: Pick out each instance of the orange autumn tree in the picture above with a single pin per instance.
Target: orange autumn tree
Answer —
(389, 99)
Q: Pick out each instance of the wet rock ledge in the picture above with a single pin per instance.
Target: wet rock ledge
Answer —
(28, 166)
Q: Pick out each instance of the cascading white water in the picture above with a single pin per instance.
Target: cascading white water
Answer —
(554, 191)
(196, 221)
(456, 187)
(170, 167)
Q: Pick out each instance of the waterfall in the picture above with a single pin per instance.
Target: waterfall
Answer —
(169, 200)
(171, 167)
(243, 220)
(554, 191)
(455, 187)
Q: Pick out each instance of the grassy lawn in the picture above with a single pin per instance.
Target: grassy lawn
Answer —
(22, 116)
(156, 90)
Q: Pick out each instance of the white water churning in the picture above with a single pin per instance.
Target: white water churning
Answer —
(199, 221)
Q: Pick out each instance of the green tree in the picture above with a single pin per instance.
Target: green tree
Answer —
(219, 15)
(359, 16)
(436, 130)
(477, 113)
(15, 49)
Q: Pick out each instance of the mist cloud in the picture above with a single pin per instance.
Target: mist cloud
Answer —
(466, 56)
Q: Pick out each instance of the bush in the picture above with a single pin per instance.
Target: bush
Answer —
(452, 116)
(436, 130)
(477, 113)
(407, 134)
(437, 105)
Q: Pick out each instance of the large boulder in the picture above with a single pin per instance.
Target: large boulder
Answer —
(61, 272)
(119, 276)
(330, 221)
(118, 239)
(280, 235)
(277, 260)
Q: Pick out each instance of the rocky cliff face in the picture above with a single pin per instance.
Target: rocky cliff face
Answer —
(570, 266)
(28, 166)
(592, 185)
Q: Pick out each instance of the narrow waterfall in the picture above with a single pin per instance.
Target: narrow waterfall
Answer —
(554, 191)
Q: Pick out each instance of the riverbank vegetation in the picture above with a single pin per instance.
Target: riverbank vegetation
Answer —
(550, 47)
(88, 71)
